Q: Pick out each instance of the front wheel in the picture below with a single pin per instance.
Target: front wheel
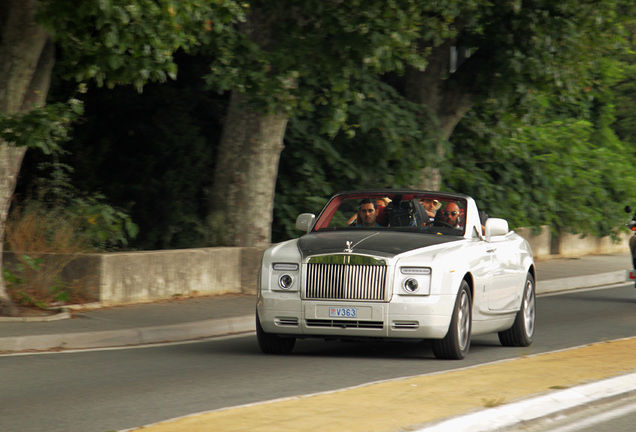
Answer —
(521, 334)
(456, 343)
(273, 344)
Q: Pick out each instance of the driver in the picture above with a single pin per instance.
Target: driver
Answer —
(450, 215)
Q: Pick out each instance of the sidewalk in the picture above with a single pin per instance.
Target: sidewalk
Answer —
(189, 319)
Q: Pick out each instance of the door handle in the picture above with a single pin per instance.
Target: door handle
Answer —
(491, 250)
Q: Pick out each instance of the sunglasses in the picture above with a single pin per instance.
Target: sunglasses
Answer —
(452, 213)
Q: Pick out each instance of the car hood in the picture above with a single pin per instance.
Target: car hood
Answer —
(382, 243)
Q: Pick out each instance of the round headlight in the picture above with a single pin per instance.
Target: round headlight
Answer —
(411, 285)
(285, 281)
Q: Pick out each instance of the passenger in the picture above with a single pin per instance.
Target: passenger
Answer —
(367, 214)
(382, 217)
(383, 202)
(431, 206)
(483, 217)
(380, 204)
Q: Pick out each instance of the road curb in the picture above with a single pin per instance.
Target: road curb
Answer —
(578, 282)
(59, 314)
(139, 336)
(539, 407)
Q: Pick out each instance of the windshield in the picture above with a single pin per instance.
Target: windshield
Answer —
(420, 212)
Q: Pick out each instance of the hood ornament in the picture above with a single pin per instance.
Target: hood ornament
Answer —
(349, 249)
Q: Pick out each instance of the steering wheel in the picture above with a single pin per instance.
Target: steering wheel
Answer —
(443, 224)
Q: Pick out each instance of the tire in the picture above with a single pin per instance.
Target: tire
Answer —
(521, 334)
(456, 343)
(273, 344)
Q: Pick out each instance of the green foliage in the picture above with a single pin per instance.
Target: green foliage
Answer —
(11, 277)
(538, 149)
(151, 154)
(552, 174)
(44, 128)
(319, 51)
(21, 288)
(58, 206)
(113, 42)
(381, 146)
(542, 45)
(625, 100)
(624, 89)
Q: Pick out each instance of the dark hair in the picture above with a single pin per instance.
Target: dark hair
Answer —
(369, 201)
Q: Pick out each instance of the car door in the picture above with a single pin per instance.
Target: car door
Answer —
(507, 276)
(482, 267)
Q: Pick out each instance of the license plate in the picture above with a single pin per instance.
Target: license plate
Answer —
(343, 312)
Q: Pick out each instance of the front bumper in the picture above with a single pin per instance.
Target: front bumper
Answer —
(403, 317)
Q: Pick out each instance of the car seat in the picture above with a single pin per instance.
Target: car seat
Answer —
(405, 213)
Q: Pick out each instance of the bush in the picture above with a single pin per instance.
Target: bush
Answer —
(48, 231)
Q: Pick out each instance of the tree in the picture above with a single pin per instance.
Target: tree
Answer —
(294, 55)
(512, 152)
(505, 49)
(104, 41)
(291, 57)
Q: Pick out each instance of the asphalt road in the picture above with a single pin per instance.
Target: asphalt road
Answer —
(124, 388)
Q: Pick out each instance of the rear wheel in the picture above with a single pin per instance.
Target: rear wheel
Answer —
(273, 344)
(456, 343)
(521, 334)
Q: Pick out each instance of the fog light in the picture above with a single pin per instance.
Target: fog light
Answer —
(285, 281)
(411, 285)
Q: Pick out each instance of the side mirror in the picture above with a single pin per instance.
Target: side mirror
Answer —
(305, 221)
(496, 227)
(628, 209)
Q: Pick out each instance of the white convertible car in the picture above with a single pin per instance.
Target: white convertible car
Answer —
(398, 265)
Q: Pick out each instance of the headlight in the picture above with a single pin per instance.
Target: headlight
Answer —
(411, 285)
(415, 280)
(284, 276)
(285, 281)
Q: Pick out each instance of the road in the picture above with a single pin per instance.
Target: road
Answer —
(115, 389)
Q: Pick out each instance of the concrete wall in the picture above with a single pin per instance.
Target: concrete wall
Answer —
(571, 245)
(134, 277)
(145, 276)
(539, 242)
(544, 245)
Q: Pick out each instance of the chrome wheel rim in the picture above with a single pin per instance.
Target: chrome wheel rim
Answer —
(463, 321)
(529, 309)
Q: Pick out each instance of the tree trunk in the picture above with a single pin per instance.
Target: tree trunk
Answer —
(26, 63)
(445, 104)
(10, 161)
(242, 198)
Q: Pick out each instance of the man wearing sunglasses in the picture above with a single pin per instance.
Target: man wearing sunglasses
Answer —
(450, 215)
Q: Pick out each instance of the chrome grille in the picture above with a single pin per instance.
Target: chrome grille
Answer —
(346, 281)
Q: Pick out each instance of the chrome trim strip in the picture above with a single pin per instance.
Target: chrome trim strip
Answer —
(347, 259)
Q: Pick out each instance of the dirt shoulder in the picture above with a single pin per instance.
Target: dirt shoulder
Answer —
(396, 404)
